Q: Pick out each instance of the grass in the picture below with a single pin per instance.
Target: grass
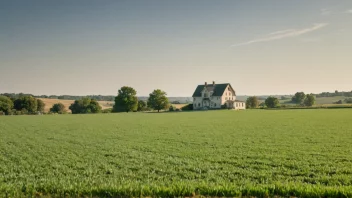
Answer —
(50, 102)
(302, 153)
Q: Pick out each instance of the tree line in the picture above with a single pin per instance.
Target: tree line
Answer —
(125, 101)
(21, 105)
(300, 98)
(333, 94)
(61, 97)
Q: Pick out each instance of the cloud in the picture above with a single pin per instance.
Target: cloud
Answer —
(283, 34)
(349, 11)
(325, 11)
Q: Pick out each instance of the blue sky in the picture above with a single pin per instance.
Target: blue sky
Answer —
(94, 47)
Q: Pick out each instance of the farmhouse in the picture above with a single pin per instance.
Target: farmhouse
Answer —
(215, 96)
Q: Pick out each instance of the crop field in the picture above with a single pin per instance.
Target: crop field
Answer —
(50, 102)
(302, 153)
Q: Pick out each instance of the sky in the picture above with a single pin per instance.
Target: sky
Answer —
(86, 47)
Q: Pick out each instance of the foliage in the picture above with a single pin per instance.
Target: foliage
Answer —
(187, 107)
(172, 108)
(126, 100)
(298, 98)
(252, 102)
(348, 100)
(224, 106)
(58, 108)
(40, 106)
(26, 104)
(272, 102)
(60, 156)
(338, 102)
(333, 94)
(6, 105)
(85, 105)
(142, 105)
(158, 100)
(107, 110)
(309, 100)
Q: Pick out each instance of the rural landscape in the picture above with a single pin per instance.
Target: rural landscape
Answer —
(190, 99)
(287, 150)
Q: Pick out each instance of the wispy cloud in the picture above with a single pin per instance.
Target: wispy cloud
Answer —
(325, 11)
(283, 34)
(349, 11)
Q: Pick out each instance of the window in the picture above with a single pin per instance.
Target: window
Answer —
(214, 104)
(194, 99)
(236, 104)
(198, 104)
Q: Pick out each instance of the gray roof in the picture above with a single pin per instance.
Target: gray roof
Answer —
(218, 89)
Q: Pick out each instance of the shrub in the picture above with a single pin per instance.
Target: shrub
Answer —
(348, 100)
(27, 104)
(107, 110)
(142, 105)
(187, 107)
(172, 108)
(272, 102)
(178, 109)
(58, 108)
(252, 102)
(85, 105)
(6, 104)
(338, 102)
(309, 100)
(40, 106)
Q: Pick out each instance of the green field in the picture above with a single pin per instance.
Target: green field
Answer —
(304, 153)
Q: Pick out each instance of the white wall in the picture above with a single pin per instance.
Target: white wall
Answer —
(240, 105)
(228, 95)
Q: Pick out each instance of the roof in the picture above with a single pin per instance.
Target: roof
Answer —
(218, 89)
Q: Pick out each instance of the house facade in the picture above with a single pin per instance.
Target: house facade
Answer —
(215, 96)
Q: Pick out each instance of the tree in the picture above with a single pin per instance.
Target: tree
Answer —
(6, 105)
(272, 102)
(158, 100)
(85, 105)
(27, 104)
(252, 102)
(298, 98)
(58, 108)
(40, 106)
(310, 100)
(141, 105)
(348, 100)
(126, 100)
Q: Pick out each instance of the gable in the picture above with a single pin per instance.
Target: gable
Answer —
(218, 90)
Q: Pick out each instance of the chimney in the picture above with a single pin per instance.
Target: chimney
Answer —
(205, 83)
(213, 83)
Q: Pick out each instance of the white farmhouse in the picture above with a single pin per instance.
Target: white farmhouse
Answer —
(215, 96)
